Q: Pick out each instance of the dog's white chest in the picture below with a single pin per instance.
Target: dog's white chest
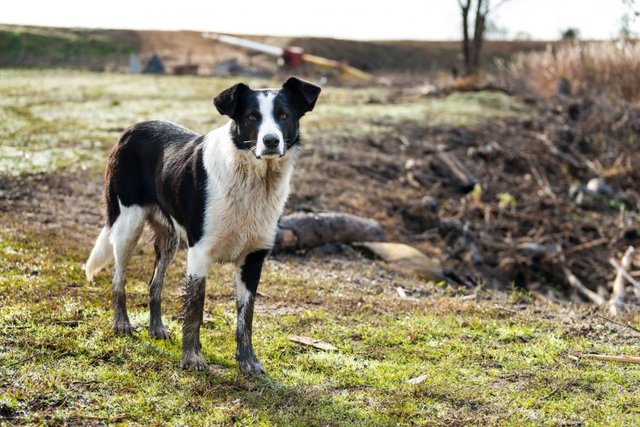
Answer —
(241, 222)
(245, 198)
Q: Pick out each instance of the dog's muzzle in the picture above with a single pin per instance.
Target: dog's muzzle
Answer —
(271, 147)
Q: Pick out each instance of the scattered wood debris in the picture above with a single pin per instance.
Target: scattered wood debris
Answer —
(417, 380)
(553, 392)
(625, 325)
(310, 342)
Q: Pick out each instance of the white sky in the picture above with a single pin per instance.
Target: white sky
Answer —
(396, 19)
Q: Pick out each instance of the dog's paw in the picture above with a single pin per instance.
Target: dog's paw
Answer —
(159, 333)
(251, 368)
(193, 361)
(122, 327)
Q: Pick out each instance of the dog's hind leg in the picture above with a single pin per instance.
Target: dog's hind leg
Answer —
(247, 279)
(125, 233)
(166, 245)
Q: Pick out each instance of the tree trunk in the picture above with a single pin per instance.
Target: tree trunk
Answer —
(478, 34)
(472, 48)
(466, 50)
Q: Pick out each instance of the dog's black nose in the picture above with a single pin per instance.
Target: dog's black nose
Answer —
(271, 140)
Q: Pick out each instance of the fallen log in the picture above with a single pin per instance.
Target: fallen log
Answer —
(305, 230)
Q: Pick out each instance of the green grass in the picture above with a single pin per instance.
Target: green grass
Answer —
(20, 45)
(60, 119)
(485, 364)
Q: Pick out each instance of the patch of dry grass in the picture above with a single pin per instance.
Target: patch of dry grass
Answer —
(611, 68)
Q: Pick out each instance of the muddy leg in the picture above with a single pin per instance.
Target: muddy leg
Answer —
(166, 245)
(197, 267)
(247, 279)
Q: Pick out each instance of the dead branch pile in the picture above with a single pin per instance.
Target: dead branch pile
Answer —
(545, 201)
(556, 206)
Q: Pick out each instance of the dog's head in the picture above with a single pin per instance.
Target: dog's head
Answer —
(266, 121)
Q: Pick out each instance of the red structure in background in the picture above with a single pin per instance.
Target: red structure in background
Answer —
(293, 57)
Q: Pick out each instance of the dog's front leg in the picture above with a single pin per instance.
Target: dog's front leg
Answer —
(247, 279)
(193, 312)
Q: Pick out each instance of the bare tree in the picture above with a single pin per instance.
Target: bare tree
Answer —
(628, 19)
(472, 47)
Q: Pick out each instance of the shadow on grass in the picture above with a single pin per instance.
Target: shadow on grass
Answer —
(267, 399)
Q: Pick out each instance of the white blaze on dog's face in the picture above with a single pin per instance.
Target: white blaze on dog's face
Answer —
(266, 122)
(270, 141)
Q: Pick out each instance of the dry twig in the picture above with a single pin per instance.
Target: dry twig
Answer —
(555, 390)
(21, 361)
(616, 303)
(582, 289)
(626, 325)
(586, 245)
(609, 358)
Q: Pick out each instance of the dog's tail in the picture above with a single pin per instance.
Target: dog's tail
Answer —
(101, 254)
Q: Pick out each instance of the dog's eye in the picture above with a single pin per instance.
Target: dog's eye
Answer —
(252, 117)
(283, 116)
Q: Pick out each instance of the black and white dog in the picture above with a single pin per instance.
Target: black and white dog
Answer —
(222, 193)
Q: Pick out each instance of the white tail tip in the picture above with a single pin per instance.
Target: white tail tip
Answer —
(101, 254)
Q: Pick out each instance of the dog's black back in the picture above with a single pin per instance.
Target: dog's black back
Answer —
(159, 163)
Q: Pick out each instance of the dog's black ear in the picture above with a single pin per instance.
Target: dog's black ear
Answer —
(304, 94)
(227, 100)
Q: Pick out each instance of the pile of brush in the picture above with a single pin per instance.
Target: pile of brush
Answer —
(556, 205)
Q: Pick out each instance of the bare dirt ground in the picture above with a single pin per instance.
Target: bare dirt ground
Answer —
(70, 203)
